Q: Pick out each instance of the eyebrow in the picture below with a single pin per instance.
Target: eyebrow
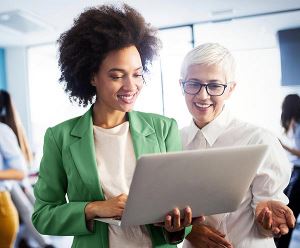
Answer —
(208, 81)
(122, 70)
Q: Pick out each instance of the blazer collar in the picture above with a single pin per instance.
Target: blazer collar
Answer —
(139, 125)
(84, 157)
(83, 151)
(143, 134)
(84, 124)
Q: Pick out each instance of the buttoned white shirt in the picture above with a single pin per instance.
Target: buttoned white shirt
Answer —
(271, 178)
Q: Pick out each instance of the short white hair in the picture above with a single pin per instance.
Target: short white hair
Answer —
(210, 54)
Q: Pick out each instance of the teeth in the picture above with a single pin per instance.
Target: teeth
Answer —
(202, 105)
(126, 97)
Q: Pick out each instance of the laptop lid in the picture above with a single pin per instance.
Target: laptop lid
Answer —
(210, 181)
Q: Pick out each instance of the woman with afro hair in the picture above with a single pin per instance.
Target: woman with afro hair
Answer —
(91, 158)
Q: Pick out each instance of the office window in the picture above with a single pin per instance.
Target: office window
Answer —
(49, 104)
(254, 44)
(176, 43)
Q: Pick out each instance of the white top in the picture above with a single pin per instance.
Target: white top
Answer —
(11, 156)
(116, 164)
(270, 180)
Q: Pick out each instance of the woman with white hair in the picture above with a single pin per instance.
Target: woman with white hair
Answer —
(207, 81)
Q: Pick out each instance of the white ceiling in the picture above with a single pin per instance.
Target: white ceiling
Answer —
(58, 15)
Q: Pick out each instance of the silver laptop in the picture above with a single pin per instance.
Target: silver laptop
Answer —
(210, 181)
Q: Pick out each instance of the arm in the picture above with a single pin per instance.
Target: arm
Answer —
(207, 236)
(14, 165)
(11, 174)
(291, 150)
(268, 185)
(52, 214)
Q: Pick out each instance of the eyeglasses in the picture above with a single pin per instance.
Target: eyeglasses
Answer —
(193, 87)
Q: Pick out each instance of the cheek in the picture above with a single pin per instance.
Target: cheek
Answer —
(189, 102)
(219, 103)
(140, 86)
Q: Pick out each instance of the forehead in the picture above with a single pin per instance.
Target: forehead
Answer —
(205, 72)
(125, 58)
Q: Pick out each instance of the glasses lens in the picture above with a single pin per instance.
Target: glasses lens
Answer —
(191, 87)
(215, 89)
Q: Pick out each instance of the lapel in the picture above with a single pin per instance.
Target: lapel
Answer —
(83, 153)
(143, 134)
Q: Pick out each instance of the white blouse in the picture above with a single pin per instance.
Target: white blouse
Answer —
(11, 156)
(271, 178)
(115, 165)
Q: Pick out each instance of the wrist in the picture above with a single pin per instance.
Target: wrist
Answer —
(174, 237)
(89, 211)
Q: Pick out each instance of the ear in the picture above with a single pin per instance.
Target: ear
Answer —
(231, 88)
(180, 85)
(93, 83)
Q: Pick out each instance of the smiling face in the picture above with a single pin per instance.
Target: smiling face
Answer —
(203, 107)
(119, 80)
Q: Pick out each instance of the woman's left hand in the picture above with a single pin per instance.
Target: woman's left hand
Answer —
(275, 217)
(174, 222)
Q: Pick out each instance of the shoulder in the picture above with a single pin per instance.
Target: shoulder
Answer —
(5, 128)
(61, 133)
(65, 126)
(7, 133)
(253, 133)
(186, 130)
(297, 129)
(9, 146)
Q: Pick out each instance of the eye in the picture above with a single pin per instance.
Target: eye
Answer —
(116, 77)
(214, 86)
(138, 75)
(192, 84)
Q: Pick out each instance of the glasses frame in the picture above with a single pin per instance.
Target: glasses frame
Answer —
(205, 85)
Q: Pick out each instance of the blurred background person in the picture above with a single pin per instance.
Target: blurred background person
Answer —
(21, 192)
(290, 121)
(12, 168)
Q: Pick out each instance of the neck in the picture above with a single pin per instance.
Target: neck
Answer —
(107, 119)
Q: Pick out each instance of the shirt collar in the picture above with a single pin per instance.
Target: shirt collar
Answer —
(212, 130)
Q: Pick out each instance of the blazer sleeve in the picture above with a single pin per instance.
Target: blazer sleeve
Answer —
(53, 215)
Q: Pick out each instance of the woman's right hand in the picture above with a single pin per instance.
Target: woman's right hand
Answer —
(206, 236)
(113, 207)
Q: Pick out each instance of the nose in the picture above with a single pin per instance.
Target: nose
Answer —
(129, 83)
(202, 94)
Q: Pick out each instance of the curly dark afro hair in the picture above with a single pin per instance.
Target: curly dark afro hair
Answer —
(96, 32)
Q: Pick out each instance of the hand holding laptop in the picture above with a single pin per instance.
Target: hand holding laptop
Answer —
(114, 207)
(204, 180)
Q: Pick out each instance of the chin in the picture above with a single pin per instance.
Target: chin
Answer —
(126, 109)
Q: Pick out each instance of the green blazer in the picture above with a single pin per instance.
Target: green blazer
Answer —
(68, 167)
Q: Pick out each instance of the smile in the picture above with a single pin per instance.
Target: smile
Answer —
(202, 106)
(127, 98)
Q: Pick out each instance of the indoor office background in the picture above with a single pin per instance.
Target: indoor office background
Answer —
(29, 70)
